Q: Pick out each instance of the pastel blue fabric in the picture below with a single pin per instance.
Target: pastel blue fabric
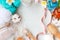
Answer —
(51, 5)
(12, 8)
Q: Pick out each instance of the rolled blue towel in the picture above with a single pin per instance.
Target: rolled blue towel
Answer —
(12, 8)
(51, 5)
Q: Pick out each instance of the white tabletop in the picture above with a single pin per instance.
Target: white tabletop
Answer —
(31, 18)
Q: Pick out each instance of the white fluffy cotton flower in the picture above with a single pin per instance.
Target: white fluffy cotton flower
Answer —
(16, 18)
(5, 16)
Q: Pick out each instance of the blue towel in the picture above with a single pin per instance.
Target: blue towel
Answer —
(12, 8)
(51, 5)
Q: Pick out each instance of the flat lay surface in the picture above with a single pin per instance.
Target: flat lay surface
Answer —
(30, 20)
